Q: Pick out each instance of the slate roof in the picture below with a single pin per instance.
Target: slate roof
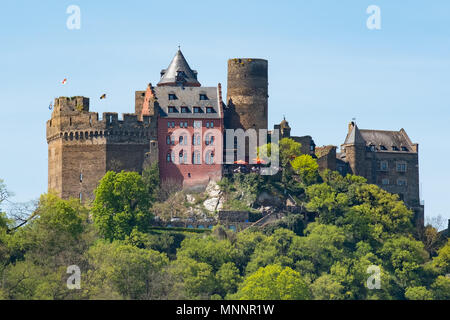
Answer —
(189, 97)
(179, 73)
(382, 140)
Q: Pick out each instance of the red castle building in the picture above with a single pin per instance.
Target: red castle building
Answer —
(190, 125)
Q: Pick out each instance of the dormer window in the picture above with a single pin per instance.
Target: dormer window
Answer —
(405, 149)
(198, 110)
(203, 96)
(172, 96)
(383, 148)
(395, 148)
(173, 110)
(209, 110)
(185, 110)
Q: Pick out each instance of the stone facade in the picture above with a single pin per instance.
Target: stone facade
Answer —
(82, 148)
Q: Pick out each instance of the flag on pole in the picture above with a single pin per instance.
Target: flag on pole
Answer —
(64, 81)
(103, 96)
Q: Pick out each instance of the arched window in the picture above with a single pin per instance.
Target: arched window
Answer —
(181, 140)
(211, 141)
(207, 139)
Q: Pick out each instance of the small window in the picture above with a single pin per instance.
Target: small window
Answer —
(209, 110)
(372, 148)
(405, 149)
(181, 124)
(173, 110)
(384, 166)
(401, 182)
(207, 124)
(385, 182)
(185, 110)
(395, 148)
(173, 139)
(197, 124)
(173, 124)
(81, 177)
(169, 158)
(172, 96)
(168, 140)
(198, 110)
(383, 148)
(181, 140)
(203, 97)
(185, 124)
(401, 167)
(212, 124)
(168, 124)
(189, 174)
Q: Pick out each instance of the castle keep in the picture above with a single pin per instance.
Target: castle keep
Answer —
(180, 124)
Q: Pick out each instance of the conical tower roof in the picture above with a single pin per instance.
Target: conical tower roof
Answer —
(179, 73)
(354, 136)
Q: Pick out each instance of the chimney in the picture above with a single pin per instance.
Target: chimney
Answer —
(351, 125)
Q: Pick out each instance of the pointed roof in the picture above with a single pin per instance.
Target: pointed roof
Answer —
(179, 73)
(354, 136)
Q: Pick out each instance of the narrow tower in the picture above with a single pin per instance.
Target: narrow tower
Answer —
(247, 94)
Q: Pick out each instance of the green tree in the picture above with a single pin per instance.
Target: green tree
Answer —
(125, 270)
(441, 288)
(326, 287)
(418, 293)
(228, 279)
(442, 261)
(306, 168)
(273, 282)
(150, 177)
(121, 204)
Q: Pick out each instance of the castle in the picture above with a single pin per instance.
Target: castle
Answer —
(181, 124)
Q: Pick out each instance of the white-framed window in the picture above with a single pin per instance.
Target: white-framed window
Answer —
(401, 166)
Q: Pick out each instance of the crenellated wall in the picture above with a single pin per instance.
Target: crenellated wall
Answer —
(82, 147)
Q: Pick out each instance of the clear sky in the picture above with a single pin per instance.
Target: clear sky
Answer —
(325, 67)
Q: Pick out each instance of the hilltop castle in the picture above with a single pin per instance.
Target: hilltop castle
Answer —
(180, 124)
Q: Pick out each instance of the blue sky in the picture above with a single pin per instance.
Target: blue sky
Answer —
(325, 67)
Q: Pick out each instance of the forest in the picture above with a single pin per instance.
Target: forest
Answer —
(122, 254)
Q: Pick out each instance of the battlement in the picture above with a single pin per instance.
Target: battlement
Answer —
(63, 105)
(71, 120)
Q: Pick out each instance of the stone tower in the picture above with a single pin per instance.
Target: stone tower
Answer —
(247, 94)
(82, 147)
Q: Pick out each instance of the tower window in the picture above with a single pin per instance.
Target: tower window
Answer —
(203, 97)
(172, 96)
(405, 149)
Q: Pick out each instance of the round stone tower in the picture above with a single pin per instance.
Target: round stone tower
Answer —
(247, 94)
